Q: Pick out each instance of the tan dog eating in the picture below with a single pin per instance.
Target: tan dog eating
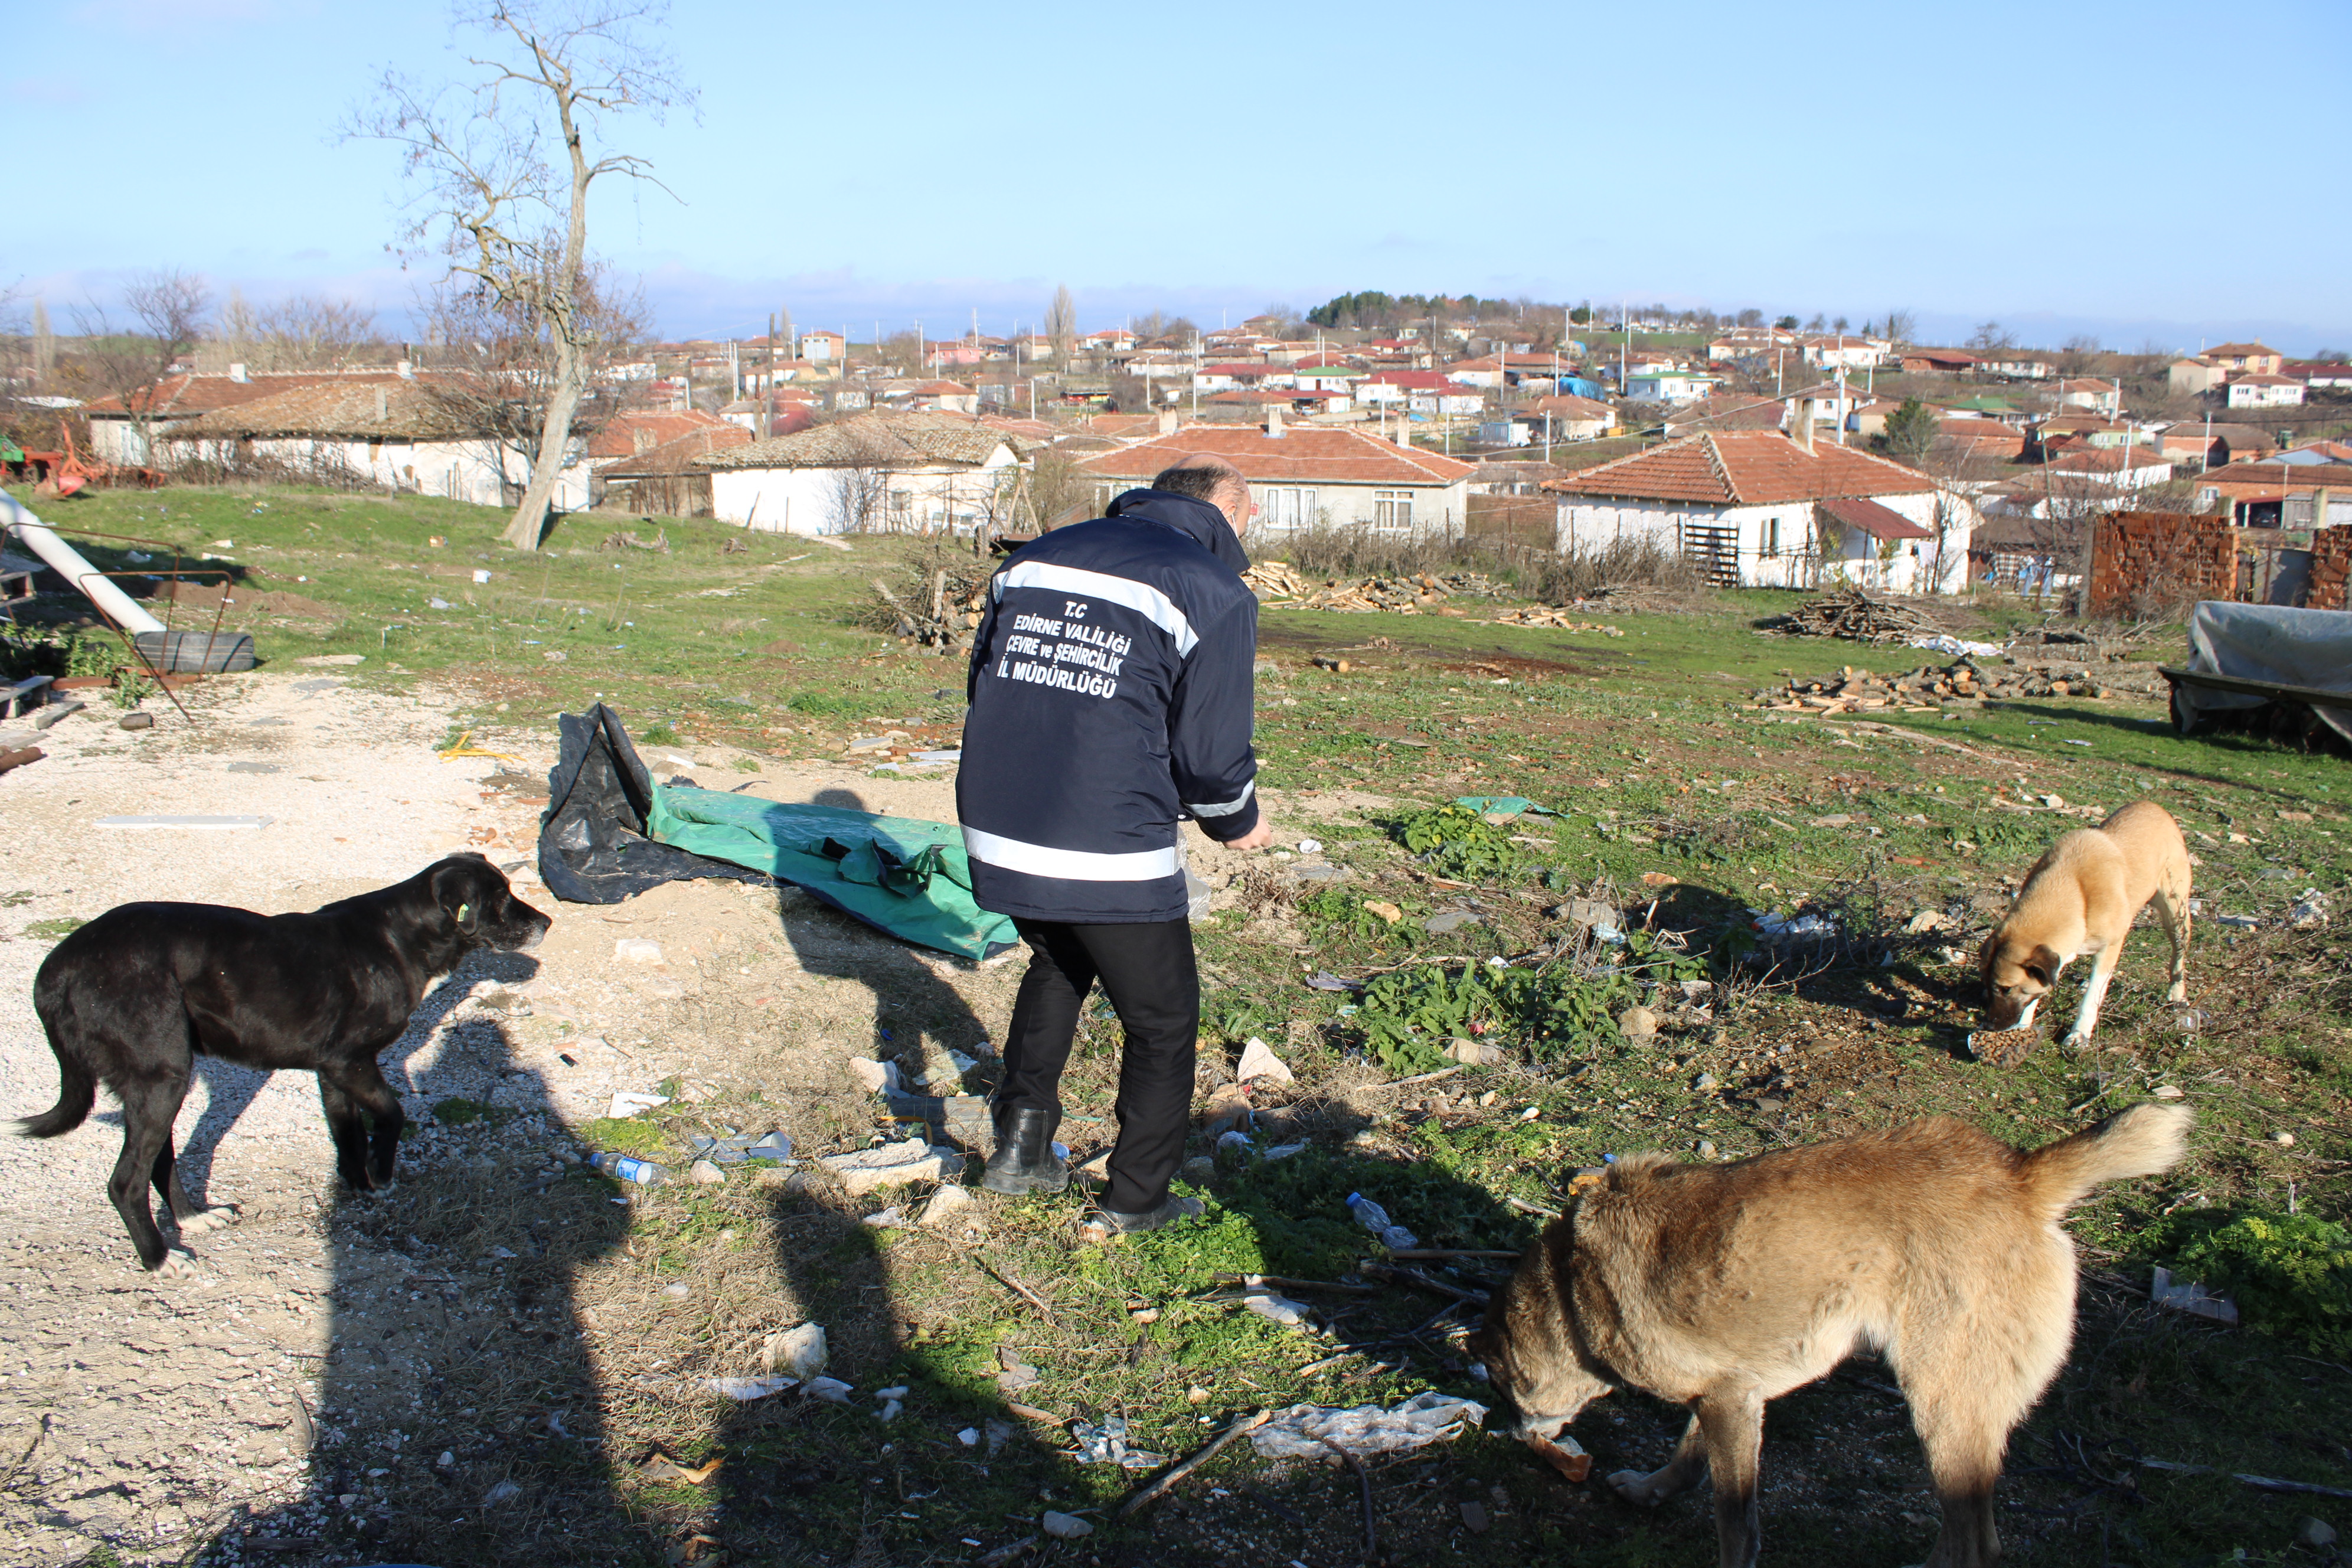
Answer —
(1721, 1287)
(2081, 897)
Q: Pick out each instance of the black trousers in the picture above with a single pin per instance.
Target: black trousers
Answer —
(1148, 972)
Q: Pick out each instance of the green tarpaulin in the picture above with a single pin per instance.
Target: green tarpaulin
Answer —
(908, 878)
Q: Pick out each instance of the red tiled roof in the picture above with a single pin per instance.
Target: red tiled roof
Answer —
(184, 395)
(1941, 356)
(1305, 455)
(619, 438)
(1738, 468)
(1868, 517)
(1272, 395)
(1423, 381)
(677, 455)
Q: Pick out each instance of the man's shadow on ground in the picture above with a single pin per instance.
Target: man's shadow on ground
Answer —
(460, 1420)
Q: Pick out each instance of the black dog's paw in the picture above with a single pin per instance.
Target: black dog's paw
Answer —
(178, 1263)
(217, 1217)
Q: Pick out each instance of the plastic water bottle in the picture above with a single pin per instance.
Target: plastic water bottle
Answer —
(627, 1168)
(1374, 1218)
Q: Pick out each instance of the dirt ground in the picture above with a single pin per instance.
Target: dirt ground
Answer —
(140, 1416)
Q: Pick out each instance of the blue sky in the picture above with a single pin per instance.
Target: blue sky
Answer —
(2059, 167)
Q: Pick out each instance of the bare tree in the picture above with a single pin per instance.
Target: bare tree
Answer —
(302, 332)
(1994, 336)
(44, 345)
(129, 360)
(1062, 325)
(2074, 357)
(1901, 327)
(506, 169)
(494, 375)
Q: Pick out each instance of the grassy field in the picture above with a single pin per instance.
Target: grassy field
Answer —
(1677, 801)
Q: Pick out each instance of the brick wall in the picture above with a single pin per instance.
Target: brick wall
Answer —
(2148, 560)
(2331, 563)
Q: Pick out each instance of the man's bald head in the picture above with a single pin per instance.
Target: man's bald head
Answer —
(1212, 479)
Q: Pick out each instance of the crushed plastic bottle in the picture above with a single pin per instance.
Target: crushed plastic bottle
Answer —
(1311, 1431)
(1374, 1218)
(628, 1168)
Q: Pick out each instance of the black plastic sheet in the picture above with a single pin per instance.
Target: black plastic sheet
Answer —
(593, 846)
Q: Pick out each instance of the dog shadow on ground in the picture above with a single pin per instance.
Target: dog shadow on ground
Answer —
(460, 1418)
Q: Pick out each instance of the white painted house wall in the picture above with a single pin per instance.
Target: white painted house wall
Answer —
(460, 470)
(800, 499)
(1779, 557)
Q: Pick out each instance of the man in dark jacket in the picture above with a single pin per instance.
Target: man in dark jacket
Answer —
(1110, 693)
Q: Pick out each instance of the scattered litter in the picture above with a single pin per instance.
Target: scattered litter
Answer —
(800, 1352)
(1476, 1054)
(1386, 911)
(677, 1292)
(1374, 1218)
(1952, 646)
(1303, 1431)
(1065, 1526)
(969, 1436)
(1258, 1060)
(1285, 1151)
(1563, 1454)
(628, 1102)
(1013, 1374)
(875, 1077)
(1278, 1309)
(916, 1160)
(944, 1207)
(1310, 847)
(1234, 1141)
(830, 1389)
(2067, 742)
(746, 1389)
(2310, 911)
(2187, 1296)
(628, 1168)
(702, 1172)
(1324, 980)
(1795, 928)
(636, 949)
(2243, 922)
(1105, 1443)
(888, 1219)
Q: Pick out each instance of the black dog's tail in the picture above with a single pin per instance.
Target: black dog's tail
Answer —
(76, 1089)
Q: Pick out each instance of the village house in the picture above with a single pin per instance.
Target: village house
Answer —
(2319, 374)
(1669, 385)
(1938, 362)
(1110, 341)
(1304, 477)
(2258, 390)
(2194, 377)
(1247, 374)
(2276, 493)
(423, 434)
(1429, 392)
(931, 397)
(2244, 359)
(1760, 508)
(114, 432)
(2123, 467)
(1252, 402)
(2083, 392)
(1567, 418)
(1828, 351)
(1726, 411)
(824, 348)
(665, 481)
(875, 472)
(1749, 343)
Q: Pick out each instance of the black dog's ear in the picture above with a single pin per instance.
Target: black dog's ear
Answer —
(458, 889)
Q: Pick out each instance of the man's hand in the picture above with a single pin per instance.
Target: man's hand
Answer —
(1257, 838)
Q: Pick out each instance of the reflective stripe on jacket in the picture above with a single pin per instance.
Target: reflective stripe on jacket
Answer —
(1111, 700)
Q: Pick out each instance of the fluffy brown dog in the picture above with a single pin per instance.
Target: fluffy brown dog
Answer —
(1720, 1287)
(2082, 896)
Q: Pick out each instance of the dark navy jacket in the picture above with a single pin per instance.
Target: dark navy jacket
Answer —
(1111, 700)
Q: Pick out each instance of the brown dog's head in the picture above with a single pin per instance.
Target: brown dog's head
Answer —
(1529, 1347)
(482, 908)
(2015, 980)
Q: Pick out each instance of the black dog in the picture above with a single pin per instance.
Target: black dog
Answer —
(133, 998)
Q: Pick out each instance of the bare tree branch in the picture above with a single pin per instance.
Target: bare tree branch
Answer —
(502, 169)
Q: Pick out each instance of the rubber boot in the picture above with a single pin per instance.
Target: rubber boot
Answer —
(1024, 1161)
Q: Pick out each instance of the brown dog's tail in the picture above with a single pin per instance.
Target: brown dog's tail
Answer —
(2142, 1141)
(76, 1089)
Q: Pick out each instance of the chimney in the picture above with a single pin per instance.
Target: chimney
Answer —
(1801, 432)
(382, 403)
(406, 370)
(1274, 420)
(1168, 421)
(236, 373)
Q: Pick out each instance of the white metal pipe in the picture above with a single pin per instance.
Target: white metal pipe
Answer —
(112, 601)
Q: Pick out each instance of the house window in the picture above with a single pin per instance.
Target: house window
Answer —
(1284, 508)
(2207, 495)
(1392, 508)
(1771, 536)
